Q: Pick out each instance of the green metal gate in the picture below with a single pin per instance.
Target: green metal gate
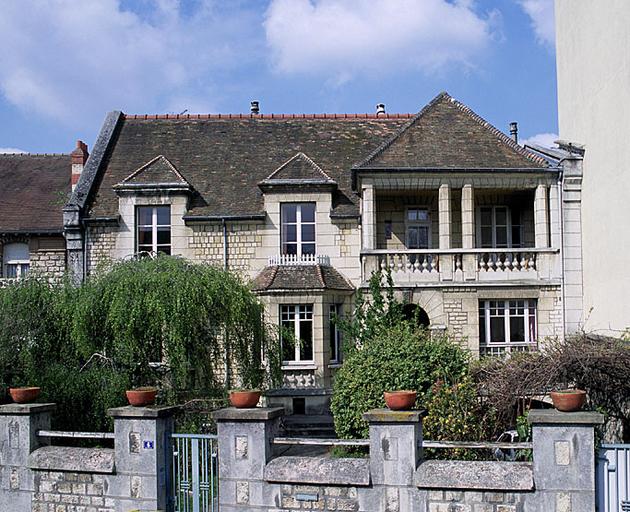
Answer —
(195, 474)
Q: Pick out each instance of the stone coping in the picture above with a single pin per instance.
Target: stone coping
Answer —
(499, 476)
(71, 459)
(22, 409)
(554, 417)
(251, 414)
(318, 470)
(389, 416)
(299, 392)
(157, 411)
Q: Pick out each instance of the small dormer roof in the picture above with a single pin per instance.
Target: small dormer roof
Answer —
(298, 171)
(158, 173)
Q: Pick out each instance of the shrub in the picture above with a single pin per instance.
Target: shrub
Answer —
(402, 356)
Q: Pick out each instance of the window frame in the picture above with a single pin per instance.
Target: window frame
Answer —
(299, 242)
(18, 263)
(418, 223)
(530, 312)
(509, 226)
(155, 246)
(297, 332)
(334, 334)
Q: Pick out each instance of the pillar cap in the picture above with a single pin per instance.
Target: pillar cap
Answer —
(554, 417)
(251, 414)
(389, 416)
(159, 411)
(24, 409)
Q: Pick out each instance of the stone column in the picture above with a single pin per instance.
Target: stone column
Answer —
(541, 217)
(368, 217)
(469, 261)
(143, 457)
(245, 446)
(444, 205)
(19, 424)
(395, 453)
(554, 216)
(564, 459)
(73, 233)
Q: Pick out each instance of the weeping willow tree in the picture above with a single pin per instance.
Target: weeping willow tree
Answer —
(185, 327)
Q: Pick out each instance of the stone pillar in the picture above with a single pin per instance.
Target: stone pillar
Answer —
(395, 453)
(564, 459)
(445, 217)
(73, 233)
(468, 217)
(19, 424)
(143, 457)
(368, 217)
(541, 217)
(554, 216)
(245, 446)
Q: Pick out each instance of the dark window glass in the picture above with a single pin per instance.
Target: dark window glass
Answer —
(308, 248)
(163, 236)
(306, 340)
(517, 329)
(308, 232)
(308, 212)
(145, 215)
(163, 215)
(145, 236)
(497, 329)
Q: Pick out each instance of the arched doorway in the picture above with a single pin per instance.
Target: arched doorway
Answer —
(415, 313)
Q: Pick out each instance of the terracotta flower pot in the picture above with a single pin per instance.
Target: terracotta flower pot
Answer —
(24, 395)
(400, 400)
(244, 399)
(141, 397)
(568, 400)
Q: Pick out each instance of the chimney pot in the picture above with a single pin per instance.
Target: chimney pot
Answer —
(514, 131)
(380, 109)
(254, 107)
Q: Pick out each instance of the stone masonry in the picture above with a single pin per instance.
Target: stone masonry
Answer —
(70, 492)
(51, 264)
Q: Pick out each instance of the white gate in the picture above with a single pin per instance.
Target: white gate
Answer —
(613, 478)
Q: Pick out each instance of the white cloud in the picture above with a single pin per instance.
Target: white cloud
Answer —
(11, 150)
(73, 61)
(341, 38)
(541, 13)
(542, 139)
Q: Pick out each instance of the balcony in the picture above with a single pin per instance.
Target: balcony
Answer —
(461, 265)
(284, 260)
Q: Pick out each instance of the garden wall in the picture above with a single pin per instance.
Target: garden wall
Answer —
(396, 478)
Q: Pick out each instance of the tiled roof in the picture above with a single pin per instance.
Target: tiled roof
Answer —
(299, 167)
(225, 158)
(33, 192)
(448, 134)
(157, 170)
(300, 277)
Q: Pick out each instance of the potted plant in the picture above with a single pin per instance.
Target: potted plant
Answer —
(400, 400)
(142, 396)
(568, 400)
(24, 395)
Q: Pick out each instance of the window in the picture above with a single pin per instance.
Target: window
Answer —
(16, 260)
(296, 337)
(153, 231)
(499, 227)
(335, 333)
(298, 228)
(418, 226)
(507, 326)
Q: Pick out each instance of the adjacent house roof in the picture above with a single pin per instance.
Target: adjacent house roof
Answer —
(300, 277)
(447, 134)
(33, 192)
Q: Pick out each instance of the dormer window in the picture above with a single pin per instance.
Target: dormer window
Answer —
(153, 229)
(297, 228)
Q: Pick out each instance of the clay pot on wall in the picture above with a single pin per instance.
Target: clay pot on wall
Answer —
(400, 400)
(24, 395)
(244, 399)
(141, 397)
(568, 400)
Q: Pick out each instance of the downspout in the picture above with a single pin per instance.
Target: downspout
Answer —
(561, 219)
(225, 244)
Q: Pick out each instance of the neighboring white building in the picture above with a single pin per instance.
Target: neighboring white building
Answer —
(593, 62)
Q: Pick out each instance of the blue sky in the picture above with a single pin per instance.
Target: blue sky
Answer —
(64, 64)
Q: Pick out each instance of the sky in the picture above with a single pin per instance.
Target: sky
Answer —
(64, 64)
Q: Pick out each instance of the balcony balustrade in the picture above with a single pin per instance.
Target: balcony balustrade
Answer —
(298, 259)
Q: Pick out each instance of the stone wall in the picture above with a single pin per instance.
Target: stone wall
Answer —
(397, 478)
(51, 264)
(100, 246)
(70, 492)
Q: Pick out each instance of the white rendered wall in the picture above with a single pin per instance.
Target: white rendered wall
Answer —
(593, 65)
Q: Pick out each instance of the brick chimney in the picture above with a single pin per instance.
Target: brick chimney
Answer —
(79, 157)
